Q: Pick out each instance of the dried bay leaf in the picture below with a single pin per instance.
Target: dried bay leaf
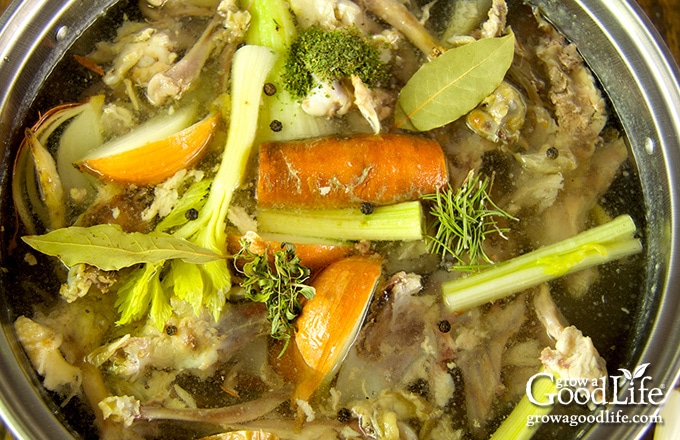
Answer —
(108, 247)
(454, 83)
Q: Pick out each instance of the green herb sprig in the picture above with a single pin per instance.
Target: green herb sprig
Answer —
(278, 286)
(462, 221)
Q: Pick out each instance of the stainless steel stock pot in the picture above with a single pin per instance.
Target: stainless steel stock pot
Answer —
(614, 37)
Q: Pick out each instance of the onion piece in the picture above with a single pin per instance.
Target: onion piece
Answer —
(330, 323)
(154, 151)
(27, 192)
(83, 134)
(50, 188)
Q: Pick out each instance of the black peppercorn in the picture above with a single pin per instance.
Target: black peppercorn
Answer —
(191, 214)
(269, 89)
(444, 326)
(171, 330)
(344, 415)
(367, 208)
(552, 153)
(276, 125)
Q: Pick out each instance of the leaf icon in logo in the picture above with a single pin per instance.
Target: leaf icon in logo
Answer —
(626, 373)
(640, 371)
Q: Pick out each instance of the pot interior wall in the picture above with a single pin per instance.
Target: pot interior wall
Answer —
(38, 72)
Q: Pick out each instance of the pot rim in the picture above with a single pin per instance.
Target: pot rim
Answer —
(633, 64)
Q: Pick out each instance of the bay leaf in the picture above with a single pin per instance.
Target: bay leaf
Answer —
(454, 83)
(108, 247)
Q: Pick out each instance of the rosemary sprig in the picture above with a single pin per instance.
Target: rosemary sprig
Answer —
(462, 221)
(278, 286)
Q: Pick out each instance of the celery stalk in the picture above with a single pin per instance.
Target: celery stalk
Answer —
(402, 221)
(273, 25)
(251, 65)
(521, 423)
(598, 245)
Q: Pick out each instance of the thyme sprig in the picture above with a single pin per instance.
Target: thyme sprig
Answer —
(463, 219)
(277, 285)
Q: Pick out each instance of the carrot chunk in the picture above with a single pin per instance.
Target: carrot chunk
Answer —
(340, 172)
(313, 256)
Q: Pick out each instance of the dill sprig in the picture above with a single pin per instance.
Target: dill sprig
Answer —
(462, 221)
(277, 285)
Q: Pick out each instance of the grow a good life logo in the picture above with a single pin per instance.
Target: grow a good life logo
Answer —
(595, 391)
(628, 388)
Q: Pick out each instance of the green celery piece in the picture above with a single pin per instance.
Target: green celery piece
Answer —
(161, 310)
(138, 292)
(217, 279)
(187, 283)
(194, 197)
(108, 247)
(601, 244)
(250, 67)
(402, 221)
(299, 239)
(515, 425)
(271, 25)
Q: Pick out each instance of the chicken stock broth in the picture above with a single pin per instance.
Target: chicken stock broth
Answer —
(138, 350)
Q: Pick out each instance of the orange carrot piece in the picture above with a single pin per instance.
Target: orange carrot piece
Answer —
(313, 256)
(329, 323)
(340, 172)
(157, 161)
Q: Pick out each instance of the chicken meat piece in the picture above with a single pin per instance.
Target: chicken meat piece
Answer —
(227, 28)
(398, 15)
(398, 347)
(579, 106)
(366, 101)
(42, 344)
(478, 341)
(331, 14)
(81, 277)
(574, 355)
(138, 53)
(328, 99)
(494, 26)
(175, 81)
(500, 116)
(194, 343)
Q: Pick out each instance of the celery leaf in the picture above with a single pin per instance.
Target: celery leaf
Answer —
(187, 283)
(193, 198)
(135, 295)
